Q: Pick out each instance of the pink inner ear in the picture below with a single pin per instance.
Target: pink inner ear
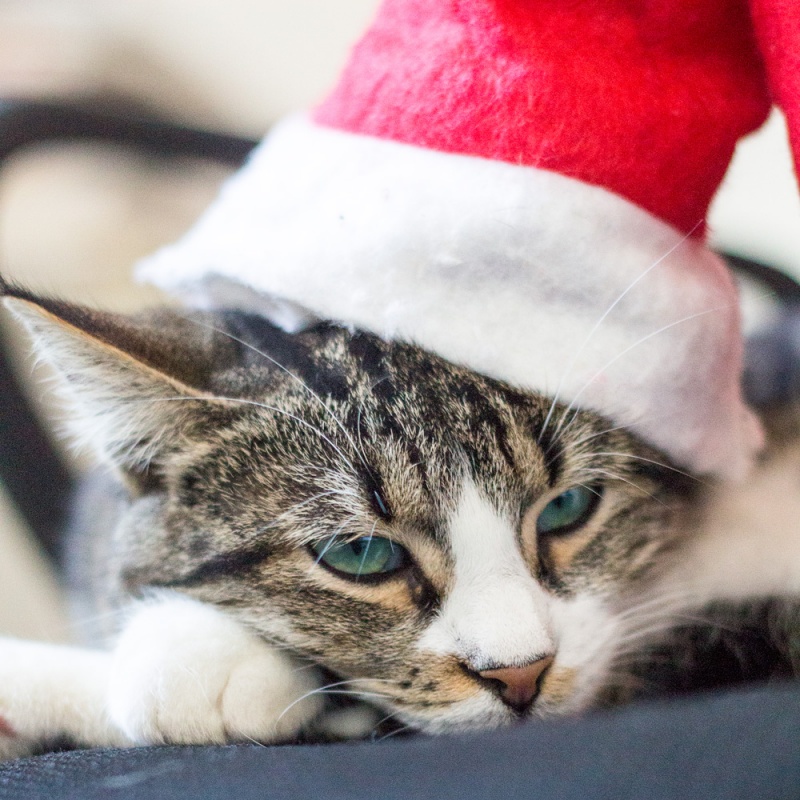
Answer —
(6, 729)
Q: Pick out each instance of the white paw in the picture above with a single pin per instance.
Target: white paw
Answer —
(49, 692)
(183, 672)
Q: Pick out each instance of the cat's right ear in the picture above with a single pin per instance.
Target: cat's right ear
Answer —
(135, 386)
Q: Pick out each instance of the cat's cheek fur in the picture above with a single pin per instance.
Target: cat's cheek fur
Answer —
(185, 673)
(482, 711)
(588, 633)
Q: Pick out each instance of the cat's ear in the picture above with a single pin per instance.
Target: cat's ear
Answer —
(136, 386)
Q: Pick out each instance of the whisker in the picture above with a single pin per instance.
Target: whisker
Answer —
(327, 547)
(250, 739)
(255, 403)
(663, 604)
(589, 489)
(292, 375)
(588, 438)
(317, 497)
(305, 667)
(657, 463)
(390, 715)
(616, 477)
(332, 686)
(331, 541)
(292, 509)
(646, 633)
(366, 549)
(616, 358)
(358, 426)
(602, 319)
(395, 732)
(89, 619)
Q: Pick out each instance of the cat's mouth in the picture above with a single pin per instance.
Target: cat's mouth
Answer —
(448, 704)
(443, 693)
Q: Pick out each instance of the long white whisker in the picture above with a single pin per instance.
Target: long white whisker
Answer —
(640, 634)
(331, 541)
(616, 477)
(305, 667)
(588, 438)
(627, 350)
(244, 401)
(657, 463)
(292, 509)
(291, 375)
(664, 604)
(366, 549)
(602, 319)
(395, 732)
(327, 690)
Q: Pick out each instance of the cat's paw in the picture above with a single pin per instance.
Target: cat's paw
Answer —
(52, 693)
(185, 673)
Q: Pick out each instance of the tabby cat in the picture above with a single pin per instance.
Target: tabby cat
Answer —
(288, 520)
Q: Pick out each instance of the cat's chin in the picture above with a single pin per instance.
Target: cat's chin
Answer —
(565, 691)
(477, 713)
(486, 713)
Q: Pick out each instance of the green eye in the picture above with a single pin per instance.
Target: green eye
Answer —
(568, 511)
(368, 555)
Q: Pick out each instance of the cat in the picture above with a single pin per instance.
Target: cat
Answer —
(285, 520)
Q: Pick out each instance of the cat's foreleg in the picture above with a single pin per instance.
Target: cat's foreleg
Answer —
(184, 672)
(180, 672)
(50, 693)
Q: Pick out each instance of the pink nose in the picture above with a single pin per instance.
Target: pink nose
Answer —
(519, 685)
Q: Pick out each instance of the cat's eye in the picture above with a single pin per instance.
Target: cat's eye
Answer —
(568, 511)
(374, 556)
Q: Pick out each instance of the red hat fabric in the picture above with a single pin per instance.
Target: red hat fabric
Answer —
(646, 99)
(777, 26)
(520, 186)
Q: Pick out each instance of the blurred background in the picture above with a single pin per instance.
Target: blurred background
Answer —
(75, 217)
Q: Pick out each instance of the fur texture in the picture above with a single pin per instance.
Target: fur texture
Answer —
(236, 454)
(243, 449)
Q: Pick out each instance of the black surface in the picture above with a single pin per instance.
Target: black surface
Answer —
(740, 745)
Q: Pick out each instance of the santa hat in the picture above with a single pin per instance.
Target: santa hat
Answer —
(521, 187)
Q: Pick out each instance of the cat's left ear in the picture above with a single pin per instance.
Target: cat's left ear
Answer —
(136, 385)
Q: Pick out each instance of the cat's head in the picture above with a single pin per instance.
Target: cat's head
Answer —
(457, 551)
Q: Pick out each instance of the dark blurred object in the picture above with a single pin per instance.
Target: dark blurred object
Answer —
(31, 471)
(772, 354)
(24, 123)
